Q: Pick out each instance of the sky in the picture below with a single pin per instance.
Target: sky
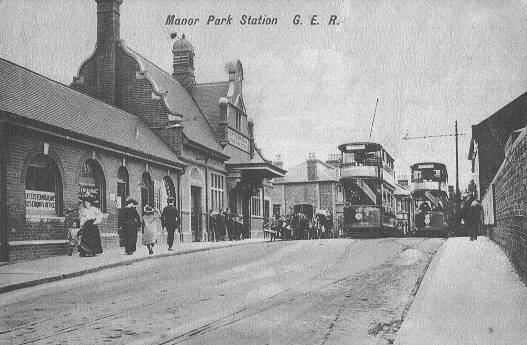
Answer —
(309, 88)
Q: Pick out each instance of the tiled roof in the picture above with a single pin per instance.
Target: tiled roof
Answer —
(207, 96)
(195, 125)
(298, 173)
(33, 96)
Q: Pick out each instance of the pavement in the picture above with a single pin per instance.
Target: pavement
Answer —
(470, 294)
(23, 274)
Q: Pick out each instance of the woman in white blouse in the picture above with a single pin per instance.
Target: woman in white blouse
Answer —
(90, 238)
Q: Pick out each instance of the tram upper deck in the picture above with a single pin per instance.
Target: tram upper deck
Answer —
(366, 160)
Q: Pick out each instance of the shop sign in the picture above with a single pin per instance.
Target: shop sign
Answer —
(238, 140)
(40, 202)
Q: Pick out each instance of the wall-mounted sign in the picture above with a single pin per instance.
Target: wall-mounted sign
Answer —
(238, 140)
(40, 202)
(87, 190)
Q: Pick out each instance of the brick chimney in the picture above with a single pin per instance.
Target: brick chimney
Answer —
(108, 36)
(312, 174)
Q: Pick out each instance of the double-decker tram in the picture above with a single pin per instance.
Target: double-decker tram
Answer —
(368, 180)
(430, 196)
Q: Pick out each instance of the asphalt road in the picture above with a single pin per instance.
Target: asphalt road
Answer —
(336, 291)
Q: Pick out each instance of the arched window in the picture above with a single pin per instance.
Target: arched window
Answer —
(147, 190)
(92, 182)
(169, 190)
(123, 189)
(43, 187)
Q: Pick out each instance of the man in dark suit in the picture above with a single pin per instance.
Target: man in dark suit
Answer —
(170, 221)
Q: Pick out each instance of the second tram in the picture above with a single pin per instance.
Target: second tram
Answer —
(430, 195)
(368, 180)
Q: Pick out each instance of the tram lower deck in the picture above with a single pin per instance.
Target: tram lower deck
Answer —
(368, 221)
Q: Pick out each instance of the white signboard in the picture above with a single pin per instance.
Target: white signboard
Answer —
(488, 207)
(238, 140)
(40, 202)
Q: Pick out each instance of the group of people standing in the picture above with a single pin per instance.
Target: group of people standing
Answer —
(226, 225)
(130, 223)
(88, 239)
(298, 226)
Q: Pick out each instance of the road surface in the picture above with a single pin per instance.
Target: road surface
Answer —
(340, 291)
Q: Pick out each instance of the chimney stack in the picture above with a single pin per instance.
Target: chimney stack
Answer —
(312, 174)
(108, 36)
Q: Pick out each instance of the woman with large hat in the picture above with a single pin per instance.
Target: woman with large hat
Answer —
(129, 223)
(90, 238)
(151, 223)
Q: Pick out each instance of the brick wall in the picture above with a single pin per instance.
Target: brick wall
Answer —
(69, 156)
(300, 193)
(510, 185)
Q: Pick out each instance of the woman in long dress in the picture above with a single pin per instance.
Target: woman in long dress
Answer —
(90, 238)
(151, 223)
(129, 223)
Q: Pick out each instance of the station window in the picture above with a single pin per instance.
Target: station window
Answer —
(123, 189)
(256, 205)
(238, 120)
(217, 191)
(92, 182)
(147, 191)
(43, 187)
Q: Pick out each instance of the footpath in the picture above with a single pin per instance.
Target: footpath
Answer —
(470, 294)
(24, 274)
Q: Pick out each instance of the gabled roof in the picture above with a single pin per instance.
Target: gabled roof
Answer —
(196, 127)
(30, 95)
(298, 173)
(207, 96)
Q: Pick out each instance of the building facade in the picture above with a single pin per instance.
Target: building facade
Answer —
(124, 128)
(311, 182)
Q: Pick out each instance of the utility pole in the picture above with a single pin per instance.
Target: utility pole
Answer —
(457, 165)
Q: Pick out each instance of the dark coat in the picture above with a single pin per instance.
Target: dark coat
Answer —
(129, 223)
(170, 217)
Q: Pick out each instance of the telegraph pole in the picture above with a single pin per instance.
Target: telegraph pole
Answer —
(457, 165)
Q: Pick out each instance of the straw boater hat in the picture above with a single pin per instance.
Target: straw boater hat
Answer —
(148, 209)
(131, 201)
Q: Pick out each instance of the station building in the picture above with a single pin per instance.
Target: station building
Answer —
(124, 127)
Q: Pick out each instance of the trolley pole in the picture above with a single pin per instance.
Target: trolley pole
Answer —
(457, 164)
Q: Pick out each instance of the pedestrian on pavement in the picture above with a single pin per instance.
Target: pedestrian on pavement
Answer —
(238, 227)
(170, 221)
(129, 223)
(150, 226)
(90, 238)
(475, 219)
(220, 224)
(229, 224)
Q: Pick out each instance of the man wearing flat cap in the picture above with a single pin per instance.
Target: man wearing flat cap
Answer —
(170, 221)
